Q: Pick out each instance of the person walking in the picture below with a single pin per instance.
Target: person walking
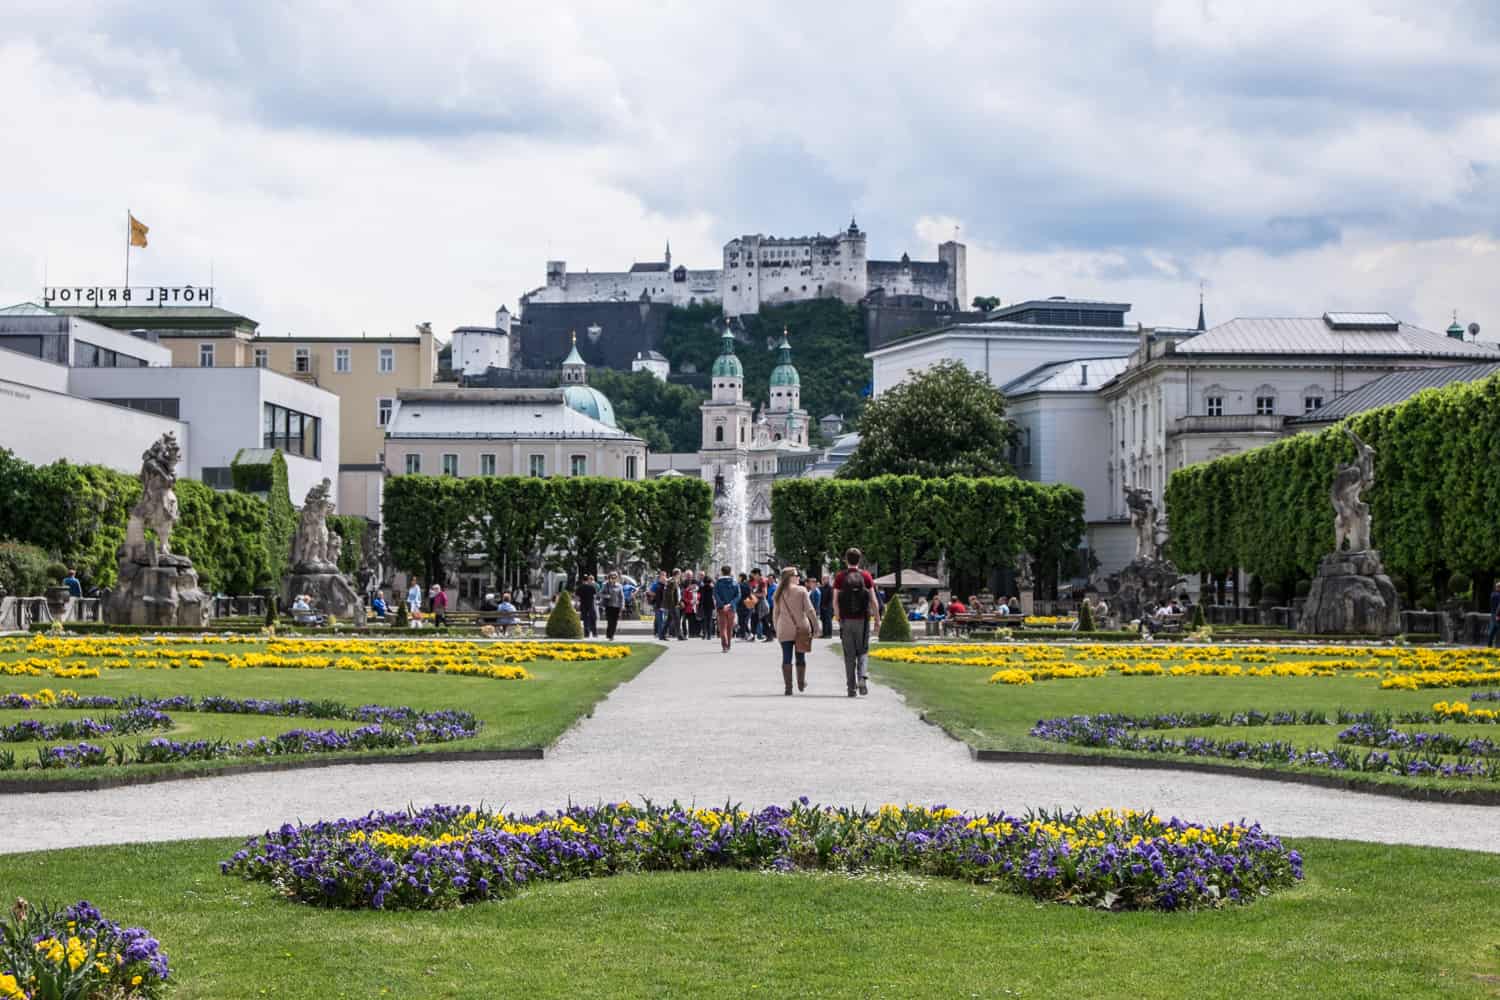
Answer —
(726, 601)
(1494, 613)
(707, 612)
(613, 599)
(658, 612)
(825, 605)
(796, 622)
(858, 607)
(689, 624)
(414, 597)
(439, 607)
(672, 600)
(588, 609)
(742, 608)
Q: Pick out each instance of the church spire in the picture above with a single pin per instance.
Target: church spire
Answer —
(1201, 324)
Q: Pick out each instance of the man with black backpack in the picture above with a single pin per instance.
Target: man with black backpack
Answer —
(858, 608)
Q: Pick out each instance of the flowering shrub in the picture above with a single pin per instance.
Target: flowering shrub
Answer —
(445, 856)
(387, 727)
(1420, 754)
(77, 954)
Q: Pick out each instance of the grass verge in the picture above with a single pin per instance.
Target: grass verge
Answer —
(516, 714)
(1369, 921)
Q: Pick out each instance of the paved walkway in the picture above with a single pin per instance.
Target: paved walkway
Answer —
(700, 725)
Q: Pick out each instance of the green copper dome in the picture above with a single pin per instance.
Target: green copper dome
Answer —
(784, 373)
(726, 365)
(591, 403)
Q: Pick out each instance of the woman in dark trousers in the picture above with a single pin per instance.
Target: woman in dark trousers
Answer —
(588, 610)
(613, 599)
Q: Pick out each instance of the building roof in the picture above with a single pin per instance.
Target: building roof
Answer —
(785, 373)
(922, 270)
(574, 358)
(650, 356)
(26, 309)
(1084, 375)
(1001, 329)
(1331, 334)
(494, 414)
(591, 403)
(727, 364)
(1059, 301)
(1395, 388)
(153, 312)
(646, 266)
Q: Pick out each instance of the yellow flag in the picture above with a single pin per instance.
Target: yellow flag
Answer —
(138, 231)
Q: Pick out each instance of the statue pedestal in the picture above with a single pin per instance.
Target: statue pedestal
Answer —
(1142, 582)
(1351, 595)
(331, 592)
(165, 594)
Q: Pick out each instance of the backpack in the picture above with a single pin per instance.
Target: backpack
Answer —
(854, 601)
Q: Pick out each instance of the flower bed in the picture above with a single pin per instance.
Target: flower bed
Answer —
(1419, 753)
(71, 657)
(1395, 668)
(387, 727)
(77, 954)
(446, 856)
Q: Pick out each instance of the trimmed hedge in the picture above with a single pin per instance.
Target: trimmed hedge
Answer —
(893, 624)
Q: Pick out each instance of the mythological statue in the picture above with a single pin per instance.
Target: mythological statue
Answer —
(1143, 515)
(1351, 515)
(312, 546)
(157, 508)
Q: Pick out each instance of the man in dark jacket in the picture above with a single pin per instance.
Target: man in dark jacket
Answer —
(1494, 612)
(825, 606)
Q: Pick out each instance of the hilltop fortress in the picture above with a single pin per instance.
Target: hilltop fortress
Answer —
(762, 270)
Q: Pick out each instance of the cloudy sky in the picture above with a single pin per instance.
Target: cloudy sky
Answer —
(346, 167)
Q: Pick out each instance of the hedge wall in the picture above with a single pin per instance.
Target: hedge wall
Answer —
(1433, 505)
(581, 524)
(978, 524)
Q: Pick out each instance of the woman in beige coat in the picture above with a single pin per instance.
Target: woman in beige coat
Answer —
(796, 622)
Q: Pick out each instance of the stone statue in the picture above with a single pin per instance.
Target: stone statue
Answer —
(1024, 580)
(156, 586)
(315, 561)
(1351, 517)
(1143, 514)
(313, 545)
(1159, 533)
(157, 508)
(1351, 593)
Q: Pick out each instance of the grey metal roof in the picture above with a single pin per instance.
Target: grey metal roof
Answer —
(647, 266)
(1314, 335)
(491, 416)
(1361, 320)
(1066, 376)
(1118, 334)
(1395, 388)
(26, 309)
(1053, 303)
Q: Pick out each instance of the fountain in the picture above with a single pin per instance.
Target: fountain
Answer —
(731, 519)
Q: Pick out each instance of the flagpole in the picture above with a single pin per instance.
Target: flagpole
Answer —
(127, 248)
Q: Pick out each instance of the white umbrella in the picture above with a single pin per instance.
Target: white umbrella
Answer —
(909, 578)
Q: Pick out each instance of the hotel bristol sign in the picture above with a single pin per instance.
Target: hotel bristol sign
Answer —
(150, 295)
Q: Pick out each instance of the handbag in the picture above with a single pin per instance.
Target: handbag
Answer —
(803, 642)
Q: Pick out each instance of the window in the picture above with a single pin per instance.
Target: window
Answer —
(718, 434)
(162, 406)
(387, 360)
(413, 465)
(219, 477)
(450, 464)
(1026, 448)
(302, 363)
(1311, 403)
(342, 363)
(1214, 405)
(205, 355)
(294, 433)
(383, 407)
(536, 465)
(1265, 406)
(487, 464)
(630, 467)
(262, 358)
(578, 465)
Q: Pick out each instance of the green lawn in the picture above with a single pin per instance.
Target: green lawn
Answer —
(989, 716)
(1369, 921)
(517, 714)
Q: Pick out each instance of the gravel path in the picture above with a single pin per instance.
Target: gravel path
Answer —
(701, 725)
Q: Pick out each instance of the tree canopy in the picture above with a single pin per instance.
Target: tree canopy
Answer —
(945, 421)
(666, 416)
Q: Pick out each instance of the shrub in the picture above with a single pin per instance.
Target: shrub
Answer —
(24, 569)
(1086, 617)
(563, 622)
(893, 625)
